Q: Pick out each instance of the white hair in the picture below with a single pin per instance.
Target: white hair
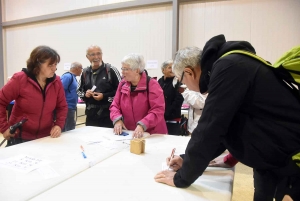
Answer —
(92, 46)
(135, 61)
(165, 64)
(186, 57)
(75, 65)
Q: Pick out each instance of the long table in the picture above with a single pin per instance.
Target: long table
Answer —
(116, 174)
(66, 157)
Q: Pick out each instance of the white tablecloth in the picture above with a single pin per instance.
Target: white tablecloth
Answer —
(126, 176)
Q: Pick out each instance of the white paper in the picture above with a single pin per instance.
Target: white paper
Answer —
(164, 166)
(151, 64)
(47, 172)
(67, 66)
(24, 163)
(93, 88)
(120, 137)
(89, 139)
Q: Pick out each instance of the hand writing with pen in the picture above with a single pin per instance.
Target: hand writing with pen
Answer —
(174, 162)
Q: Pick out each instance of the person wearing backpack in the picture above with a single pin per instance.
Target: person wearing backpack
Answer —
(70, 84)
(98, 85)
(249, 110)
(173, 99)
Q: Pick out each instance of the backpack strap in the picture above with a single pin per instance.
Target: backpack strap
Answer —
(107, 67)
(249, 54)
(71, 80)
(148, 80)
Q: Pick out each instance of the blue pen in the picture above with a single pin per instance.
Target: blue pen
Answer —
(83, 154)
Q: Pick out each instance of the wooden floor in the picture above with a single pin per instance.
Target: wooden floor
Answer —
(243, 183)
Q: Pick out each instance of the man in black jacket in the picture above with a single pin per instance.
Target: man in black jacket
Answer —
(98, 85)
(173, 99)
(249, 111)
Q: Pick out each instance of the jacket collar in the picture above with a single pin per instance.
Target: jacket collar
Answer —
(141, 86)
(32, 76)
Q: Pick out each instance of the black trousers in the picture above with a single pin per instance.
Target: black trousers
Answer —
(99, 122)
(268, 185)
(173, 128)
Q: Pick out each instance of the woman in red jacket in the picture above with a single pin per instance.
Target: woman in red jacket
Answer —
(37, 92)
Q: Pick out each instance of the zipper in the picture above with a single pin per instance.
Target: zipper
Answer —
(43, 94)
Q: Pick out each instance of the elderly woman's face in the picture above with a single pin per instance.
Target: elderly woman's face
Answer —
(167, 71)
(127, 72)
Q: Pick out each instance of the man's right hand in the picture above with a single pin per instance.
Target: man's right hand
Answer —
(175, 163)
(88, 93)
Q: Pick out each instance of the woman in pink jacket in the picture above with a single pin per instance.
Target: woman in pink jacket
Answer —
(139, 103)
(37, 92)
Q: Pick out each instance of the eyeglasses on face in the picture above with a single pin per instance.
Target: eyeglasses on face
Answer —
(125, 69)
(180, 81)
(95, 54)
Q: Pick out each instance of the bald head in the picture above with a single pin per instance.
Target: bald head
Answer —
(76, 68)
(93, 47)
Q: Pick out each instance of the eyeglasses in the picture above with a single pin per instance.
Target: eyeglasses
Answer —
(180, 81)
(125, 69)
(95, 54)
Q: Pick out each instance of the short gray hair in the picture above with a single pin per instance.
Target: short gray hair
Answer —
(92, 46)
(189, 56)
(165, 64)
(75, 64)
(135, 61)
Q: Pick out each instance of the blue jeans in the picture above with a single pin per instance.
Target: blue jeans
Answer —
(70, 120)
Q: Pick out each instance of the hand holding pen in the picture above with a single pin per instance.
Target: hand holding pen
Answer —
(174, 162)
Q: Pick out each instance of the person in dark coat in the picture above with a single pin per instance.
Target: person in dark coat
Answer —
(97, 88)
(173, 99)
(244, 114)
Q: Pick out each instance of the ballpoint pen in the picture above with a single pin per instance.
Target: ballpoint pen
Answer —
(83, 154)
(172, 155)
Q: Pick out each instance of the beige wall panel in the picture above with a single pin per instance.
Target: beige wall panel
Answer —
(146, 31)
(270, 25)
(275, 27)
(19, 9)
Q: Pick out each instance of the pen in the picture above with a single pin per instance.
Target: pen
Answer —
(172, 155)
(83, 154)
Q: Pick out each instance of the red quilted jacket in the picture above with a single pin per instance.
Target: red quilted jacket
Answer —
(32, 104)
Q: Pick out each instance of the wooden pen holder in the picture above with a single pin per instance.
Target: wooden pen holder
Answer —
(137, 146)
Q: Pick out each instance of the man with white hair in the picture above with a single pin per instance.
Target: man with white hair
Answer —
(243, 114)
(70, 84)
(98, 85)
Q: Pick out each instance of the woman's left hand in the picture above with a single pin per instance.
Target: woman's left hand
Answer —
(138, 132)
(165, 177)
(55, 131)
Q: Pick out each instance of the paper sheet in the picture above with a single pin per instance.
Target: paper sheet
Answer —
(164, 166)
(23, 163)
(47, 172)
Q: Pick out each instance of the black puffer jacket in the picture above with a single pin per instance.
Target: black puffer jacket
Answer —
(249, 111)
(173, 99)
